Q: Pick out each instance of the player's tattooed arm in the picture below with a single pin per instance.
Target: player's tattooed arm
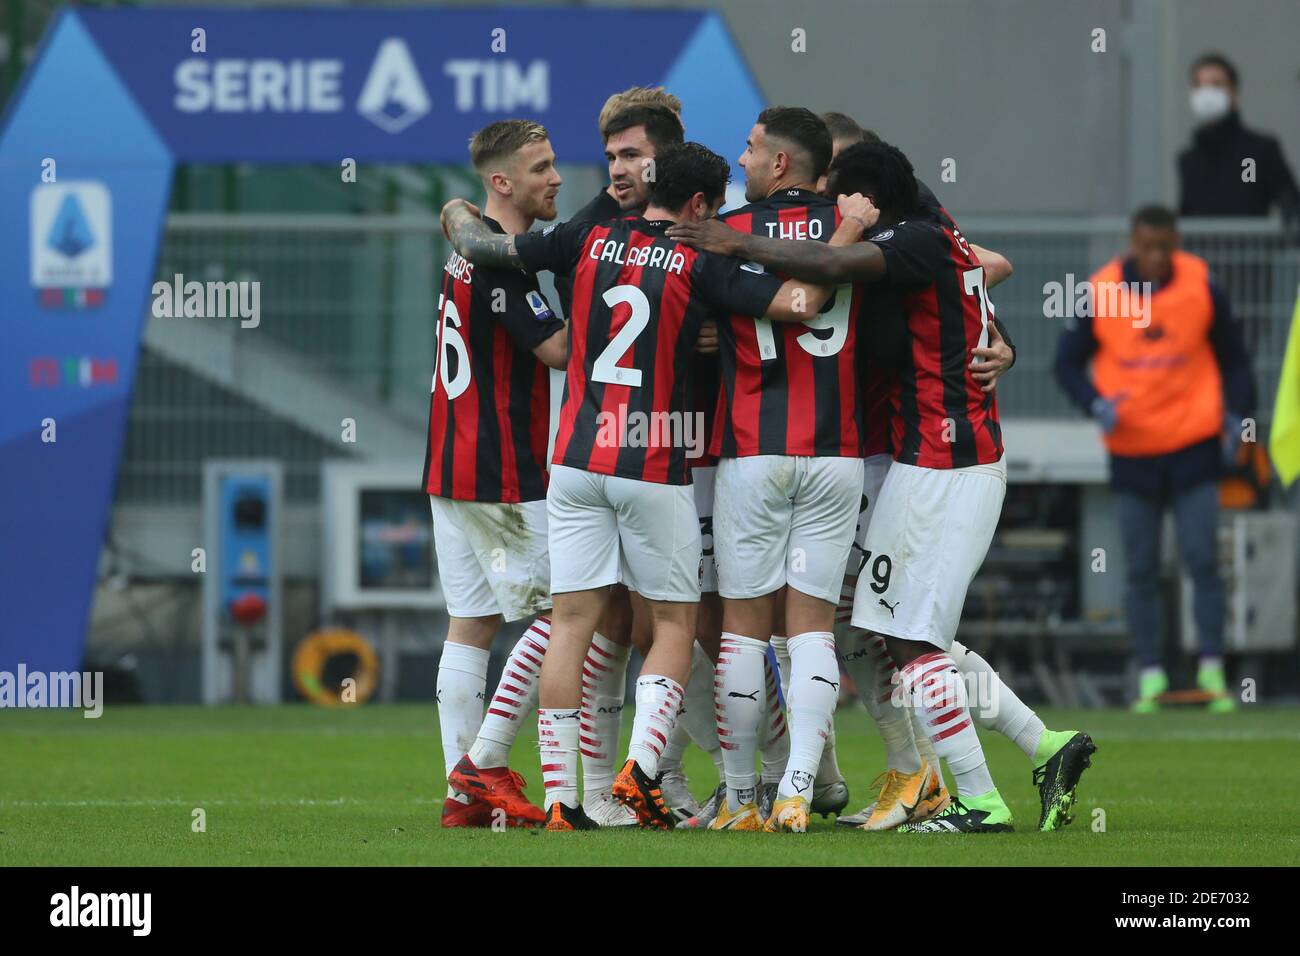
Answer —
(471, 237)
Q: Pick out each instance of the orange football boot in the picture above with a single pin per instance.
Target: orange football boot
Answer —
(642, 794)
(498, 787)
(476, 813)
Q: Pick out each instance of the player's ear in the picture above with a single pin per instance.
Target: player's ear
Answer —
(501, 183)
(780, 163)
(699, 206)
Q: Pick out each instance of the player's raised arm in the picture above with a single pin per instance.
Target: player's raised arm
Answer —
(471, 237)
(821, 263)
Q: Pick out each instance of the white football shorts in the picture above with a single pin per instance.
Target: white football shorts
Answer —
(492, 557)
(928, 535)
(781, 519)
(605, 529)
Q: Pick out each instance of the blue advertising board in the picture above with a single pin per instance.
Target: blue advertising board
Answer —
(115, 98)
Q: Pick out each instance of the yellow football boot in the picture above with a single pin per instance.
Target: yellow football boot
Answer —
(900, 797)
(744, 817)
(789, 815)
(936, 800)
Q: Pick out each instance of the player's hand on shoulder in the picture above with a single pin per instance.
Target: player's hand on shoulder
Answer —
(451, 206)
(710, 235)
(859, 208)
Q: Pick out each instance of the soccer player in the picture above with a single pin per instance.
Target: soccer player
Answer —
(789, 480)
(634, 125)
(939, 503)
(906, 794)
(486, 479)
(620, 506)
(653, 123)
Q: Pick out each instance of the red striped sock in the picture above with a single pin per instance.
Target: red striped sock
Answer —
(604, 679)
(773, 741)
(939, 696)
(658, 699)
(515, 697)
(557, 736)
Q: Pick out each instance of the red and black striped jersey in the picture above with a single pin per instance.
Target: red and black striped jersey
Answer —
(639, 299)
(790, 388)
(931, 309)
(877, 382)
(601, 209)
(879, 354)
(490, 405)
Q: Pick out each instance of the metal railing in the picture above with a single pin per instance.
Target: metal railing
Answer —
(346, 299)
(1256, 263)
(351, 300)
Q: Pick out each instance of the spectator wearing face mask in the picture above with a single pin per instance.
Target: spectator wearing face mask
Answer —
(1210, 171)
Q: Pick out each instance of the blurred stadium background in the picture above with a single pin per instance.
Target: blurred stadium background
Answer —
(1054, 144)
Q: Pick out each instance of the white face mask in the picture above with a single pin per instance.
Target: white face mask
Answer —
(1210, 103)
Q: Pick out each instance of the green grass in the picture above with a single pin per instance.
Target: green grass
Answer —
(297, 785)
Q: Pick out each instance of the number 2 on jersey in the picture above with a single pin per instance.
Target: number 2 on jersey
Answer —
(606, 367)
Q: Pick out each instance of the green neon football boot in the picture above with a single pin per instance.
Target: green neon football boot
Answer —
(986, 813)
(1151, 684)
(1062, 757)
(1211, 679)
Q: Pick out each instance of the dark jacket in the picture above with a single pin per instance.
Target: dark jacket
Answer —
(1210, 171)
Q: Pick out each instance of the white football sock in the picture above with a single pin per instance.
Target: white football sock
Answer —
(738, 688)
(604, 684)
(462, 685)
(814, 690)
(515, 697)
(696, 723)
(658, 699)
(671, 758)
(996, 706)
(867, 660)
(557, 736)
(939, 695)
(828, 768)
(781, 647)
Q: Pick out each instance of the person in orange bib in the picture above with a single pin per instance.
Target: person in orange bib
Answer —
(1170, 385)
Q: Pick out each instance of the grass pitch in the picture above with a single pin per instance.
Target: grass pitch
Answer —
(294, 785)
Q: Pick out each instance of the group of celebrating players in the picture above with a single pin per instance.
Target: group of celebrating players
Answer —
(778, 427)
